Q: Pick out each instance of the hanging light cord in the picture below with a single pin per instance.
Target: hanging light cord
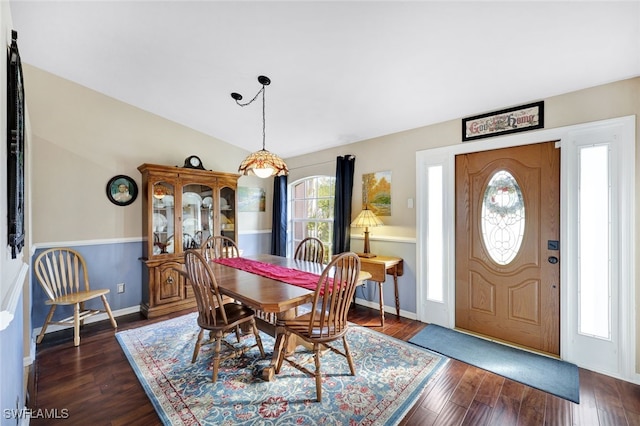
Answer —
(261, 163)
(238, 98)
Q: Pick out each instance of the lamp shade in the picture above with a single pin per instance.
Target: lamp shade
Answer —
(263, 164)
(366, 219)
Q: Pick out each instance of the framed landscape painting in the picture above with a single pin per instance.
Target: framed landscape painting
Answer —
(251, 199)
(376, 192)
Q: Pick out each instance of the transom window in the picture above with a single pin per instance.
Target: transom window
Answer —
(311, 212)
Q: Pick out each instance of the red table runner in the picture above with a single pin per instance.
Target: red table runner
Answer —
(292, 276)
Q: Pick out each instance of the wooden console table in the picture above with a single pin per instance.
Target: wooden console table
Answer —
(379, 267)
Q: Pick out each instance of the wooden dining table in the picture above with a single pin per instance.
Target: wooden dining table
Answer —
(269, 295)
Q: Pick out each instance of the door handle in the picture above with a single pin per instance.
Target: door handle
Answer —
(553, 260)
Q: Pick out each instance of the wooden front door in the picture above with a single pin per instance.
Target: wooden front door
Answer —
(507, 248)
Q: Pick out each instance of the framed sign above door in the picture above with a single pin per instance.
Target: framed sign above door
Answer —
(497, 123)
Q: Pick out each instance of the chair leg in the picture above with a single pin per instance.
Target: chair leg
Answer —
(216, 357)
(81, 309)
(258, 339)
(196, 350)
(238, 333)
(348, 355)
(283, 352)
(318, 374)
(46, 324)
(108, 309)
(76, 324)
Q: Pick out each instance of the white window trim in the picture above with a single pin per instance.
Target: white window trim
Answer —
(290, 221)
(444, 313)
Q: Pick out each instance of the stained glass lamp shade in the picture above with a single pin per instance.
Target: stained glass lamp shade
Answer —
(366, 219)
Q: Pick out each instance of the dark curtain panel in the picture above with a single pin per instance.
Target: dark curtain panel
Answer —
(342, 207)
(279, 219)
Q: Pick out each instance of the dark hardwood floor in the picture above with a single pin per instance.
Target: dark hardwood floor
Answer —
(95, 384)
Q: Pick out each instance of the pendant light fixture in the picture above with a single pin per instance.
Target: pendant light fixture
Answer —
(261, 163)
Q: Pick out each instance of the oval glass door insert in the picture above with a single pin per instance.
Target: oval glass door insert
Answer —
(503, 217)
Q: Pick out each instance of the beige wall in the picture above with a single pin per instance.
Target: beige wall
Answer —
(397, 153)
(82, 138)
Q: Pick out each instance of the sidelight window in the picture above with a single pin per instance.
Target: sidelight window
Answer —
(435, 232)
(594, 234)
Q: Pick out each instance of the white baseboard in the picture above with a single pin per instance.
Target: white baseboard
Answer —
(387, 309)
(95, 318)
(30, 358)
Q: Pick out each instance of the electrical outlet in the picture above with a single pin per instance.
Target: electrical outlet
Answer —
(120, 287)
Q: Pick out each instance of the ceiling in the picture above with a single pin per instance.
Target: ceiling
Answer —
(341, 71)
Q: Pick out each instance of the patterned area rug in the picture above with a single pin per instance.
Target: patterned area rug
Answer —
(390, 375)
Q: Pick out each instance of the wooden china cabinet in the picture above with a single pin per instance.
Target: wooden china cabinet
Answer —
(181, 208)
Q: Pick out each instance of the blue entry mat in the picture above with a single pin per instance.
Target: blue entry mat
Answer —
(547, 374)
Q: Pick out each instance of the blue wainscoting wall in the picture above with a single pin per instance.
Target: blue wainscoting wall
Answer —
(108, 264)
(255, 243)
(111, 263)
(116, 262)
(369, 295)
(11, 360)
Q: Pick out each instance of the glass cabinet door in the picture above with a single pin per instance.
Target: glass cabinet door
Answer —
(228, 212)
(197, 215)
(163, 217)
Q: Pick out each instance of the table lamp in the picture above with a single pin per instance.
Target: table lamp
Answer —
(366, 219)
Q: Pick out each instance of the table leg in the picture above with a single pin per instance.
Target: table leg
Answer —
(269, 372)
(395, 287)
(380, 286)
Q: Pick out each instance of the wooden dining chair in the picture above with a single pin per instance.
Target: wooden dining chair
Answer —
(219, 247)
(215, 316)
(198, 239)
(63, 275)
(327, 320)
(310, 249)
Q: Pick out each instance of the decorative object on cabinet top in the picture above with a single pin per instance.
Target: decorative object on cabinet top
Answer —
(193, 162)
(182, 171)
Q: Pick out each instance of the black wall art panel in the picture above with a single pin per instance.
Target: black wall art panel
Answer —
(15, 148)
